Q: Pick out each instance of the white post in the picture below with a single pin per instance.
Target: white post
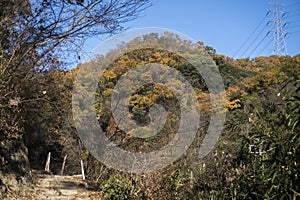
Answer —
(63, 165)
(81, 161)
(47, 166)
(82, 169)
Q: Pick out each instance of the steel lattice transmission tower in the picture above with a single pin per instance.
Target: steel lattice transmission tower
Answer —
(279, 33)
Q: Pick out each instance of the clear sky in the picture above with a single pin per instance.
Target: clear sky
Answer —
(224, 24)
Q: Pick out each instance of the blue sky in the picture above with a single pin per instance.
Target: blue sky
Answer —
(224, 25)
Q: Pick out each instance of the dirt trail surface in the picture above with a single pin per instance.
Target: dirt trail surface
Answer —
(60, 187)
(49, 187)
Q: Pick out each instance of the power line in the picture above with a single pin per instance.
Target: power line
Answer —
(254, 40)
(291, 16)
(296, 11)
(267, 45)
(278, 30)
(293, 21)
(294, 26)
(270, 52)
(293, 5)
(260, 42)
(256, 28)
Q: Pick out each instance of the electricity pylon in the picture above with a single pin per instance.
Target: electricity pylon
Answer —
(279, 33)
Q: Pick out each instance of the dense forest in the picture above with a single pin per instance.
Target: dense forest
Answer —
(262, 109)
(256, 157)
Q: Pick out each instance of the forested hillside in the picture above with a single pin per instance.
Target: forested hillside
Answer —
(256, 157)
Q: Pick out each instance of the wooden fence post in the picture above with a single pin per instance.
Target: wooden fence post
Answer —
(63, 165)
(81, 161)
(82, 169)
(47, 166)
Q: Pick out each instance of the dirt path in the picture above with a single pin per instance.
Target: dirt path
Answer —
(58, 187)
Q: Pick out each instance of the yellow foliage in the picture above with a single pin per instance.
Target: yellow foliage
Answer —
(233, 104)
(234, 98)
(168, 61)
(56, 132)
(109, 74)
(85, 154)
(108, 92)
(204, 102)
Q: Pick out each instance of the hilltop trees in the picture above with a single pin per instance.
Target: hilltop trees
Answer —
(262, 111)
(268, 121)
